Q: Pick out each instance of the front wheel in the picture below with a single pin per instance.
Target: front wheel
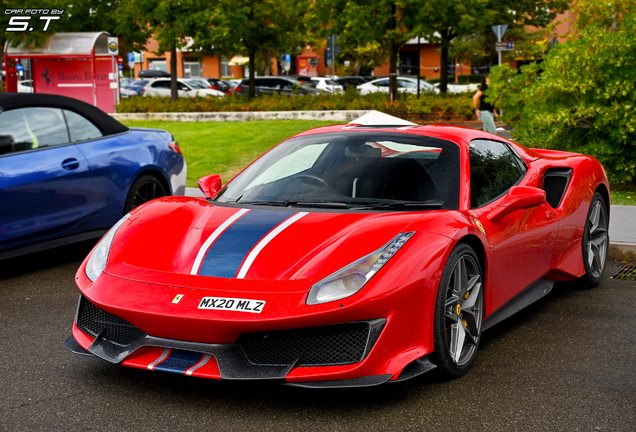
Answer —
(595, 242)
(459, 312)
(144, 189)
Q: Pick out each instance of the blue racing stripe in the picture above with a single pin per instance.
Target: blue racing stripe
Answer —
(179, 361)
(226, 254)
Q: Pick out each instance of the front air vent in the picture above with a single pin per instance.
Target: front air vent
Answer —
(555, 182)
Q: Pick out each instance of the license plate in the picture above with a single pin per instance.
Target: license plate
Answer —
(233, 304)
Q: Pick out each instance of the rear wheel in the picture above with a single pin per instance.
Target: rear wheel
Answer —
(144, 189)
(459, 312)
(595, 242)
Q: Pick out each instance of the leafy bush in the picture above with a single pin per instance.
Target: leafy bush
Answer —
(585, 98)
(407, 105)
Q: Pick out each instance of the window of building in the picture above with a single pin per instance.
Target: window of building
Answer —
(226, 70)
(192, 68)
(158, 64)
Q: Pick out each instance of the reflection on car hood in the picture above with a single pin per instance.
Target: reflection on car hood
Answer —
(191, 236)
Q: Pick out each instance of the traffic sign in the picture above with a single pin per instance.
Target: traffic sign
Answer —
(504, 46)
(131, 57)
(19, 67)
(500, 30)
(287, 58)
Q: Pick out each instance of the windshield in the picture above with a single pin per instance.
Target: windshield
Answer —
(196, 84)
(352, 170)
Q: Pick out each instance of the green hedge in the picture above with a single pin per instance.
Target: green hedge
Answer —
(445, 105)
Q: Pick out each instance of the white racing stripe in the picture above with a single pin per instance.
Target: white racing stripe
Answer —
(161, 358)
(205, 359)
(261, 244)
(217, 232)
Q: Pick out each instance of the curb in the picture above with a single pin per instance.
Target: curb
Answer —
(343, 116)
(622, 251)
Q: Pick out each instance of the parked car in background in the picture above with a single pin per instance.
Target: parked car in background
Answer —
(214, 84)
(350, 81)
(460, 88)
(327, 84)
(404, 84)
(185, 88)
(276, 85)
(25, 86)
(127, 92)
(69, 171)
(138, 86)
(152, 73)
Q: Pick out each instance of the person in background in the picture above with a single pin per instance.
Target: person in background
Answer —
(484, 110)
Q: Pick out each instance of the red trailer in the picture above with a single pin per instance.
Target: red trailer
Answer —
(77, 65)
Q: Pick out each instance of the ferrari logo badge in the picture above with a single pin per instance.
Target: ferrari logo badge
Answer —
(480, 226)
(177, 299)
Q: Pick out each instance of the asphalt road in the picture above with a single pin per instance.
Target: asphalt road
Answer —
(566, 363)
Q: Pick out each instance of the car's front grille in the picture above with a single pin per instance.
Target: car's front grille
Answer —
(93, 320)
(339, 344)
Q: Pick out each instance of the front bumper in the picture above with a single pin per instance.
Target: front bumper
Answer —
(256, 356)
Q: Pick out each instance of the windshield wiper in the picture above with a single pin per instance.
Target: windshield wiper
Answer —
(297, 203)
(401, 204)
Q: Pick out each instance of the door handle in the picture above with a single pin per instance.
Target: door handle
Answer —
(70, 164)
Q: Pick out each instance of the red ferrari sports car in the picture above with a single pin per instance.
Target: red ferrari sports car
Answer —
(348, 255)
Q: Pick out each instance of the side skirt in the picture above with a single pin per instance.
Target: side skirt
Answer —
(527, 297)
(37, 247)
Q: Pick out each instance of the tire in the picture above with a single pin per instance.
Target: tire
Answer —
(595, 242)
(459, 312)
(144, 189)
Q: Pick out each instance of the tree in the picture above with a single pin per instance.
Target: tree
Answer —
(251, 26)
(585, 99)
(387, 24)
(169, 22)
(445, 20)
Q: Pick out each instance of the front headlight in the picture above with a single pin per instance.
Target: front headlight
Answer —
(350, 279)
(97, 262)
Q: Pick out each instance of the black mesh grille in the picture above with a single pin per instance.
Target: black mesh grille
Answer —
(339, 344)
(554, 186)
(93, 320)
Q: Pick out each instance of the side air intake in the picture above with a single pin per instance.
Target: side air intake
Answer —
(555, 182)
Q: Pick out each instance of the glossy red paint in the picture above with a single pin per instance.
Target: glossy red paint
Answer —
(152, 257)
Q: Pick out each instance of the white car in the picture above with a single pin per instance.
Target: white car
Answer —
(404, 84)
(326, 84)
(25, 86)
(460, 88)
(185, 88)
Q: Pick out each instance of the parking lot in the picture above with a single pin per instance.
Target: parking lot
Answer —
(564, 363)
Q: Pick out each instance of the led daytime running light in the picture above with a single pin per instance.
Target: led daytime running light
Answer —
(350, 279)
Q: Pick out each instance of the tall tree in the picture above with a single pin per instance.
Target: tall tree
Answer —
(251, 26)
(445, 20)
(388, 24)
(169, 22)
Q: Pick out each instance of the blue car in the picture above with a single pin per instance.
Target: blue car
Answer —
(69, 171)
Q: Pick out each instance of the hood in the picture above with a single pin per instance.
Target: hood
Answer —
(191, 236)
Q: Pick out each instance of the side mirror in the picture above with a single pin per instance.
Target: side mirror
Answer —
(518, 197)
(210, 185)
(6, 144)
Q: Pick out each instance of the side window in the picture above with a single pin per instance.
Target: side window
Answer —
(382, 83)
(80, 128)
(161, 84)
(33, 128)
(181, 86)
(406, 84)
(493, 170)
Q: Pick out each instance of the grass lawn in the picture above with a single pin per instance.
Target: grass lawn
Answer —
(623, 197)
(225, 148)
